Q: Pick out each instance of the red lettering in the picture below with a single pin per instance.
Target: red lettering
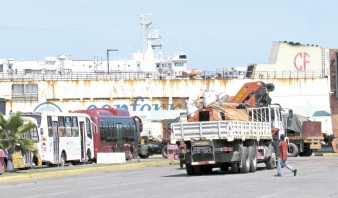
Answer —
(303, 56)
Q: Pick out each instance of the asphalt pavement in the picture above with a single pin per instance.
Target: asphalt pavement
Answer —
(48, 172)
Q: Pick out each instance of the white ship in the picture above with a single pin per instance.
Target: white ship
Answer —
(304, 76)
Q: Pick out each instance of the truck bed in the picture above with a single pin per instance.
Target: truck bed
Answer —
(227, 129)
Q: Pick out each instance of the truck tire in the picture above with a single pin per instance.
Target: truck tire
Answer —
(252, 158)
(245, 161)
(293, 150)
(198, 169)
(224, 167)
(164, 151)
(270, 163)
(190, 169)
(206, 169)
(234, 168)
(307, 151)
(144, 156)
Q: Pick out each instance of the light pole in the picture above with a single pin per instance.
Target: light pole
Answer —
(109, 50)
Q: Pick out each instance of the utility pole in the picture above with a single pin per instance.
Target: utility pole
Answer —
(110, 50)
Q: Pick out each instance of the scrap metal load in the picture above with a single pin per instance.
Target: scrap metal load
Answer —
(223, 107)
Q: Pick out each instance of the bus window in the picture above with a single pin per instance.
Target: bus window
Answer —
(75, 127)
(61, 126)
(103, 131)
(34, 135)
(109, 134)
(114, 133)
(68, 125)
(89, 133)
(50, 126)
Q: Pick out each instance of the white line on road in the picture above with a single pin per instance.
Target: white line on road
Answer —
(48, 194)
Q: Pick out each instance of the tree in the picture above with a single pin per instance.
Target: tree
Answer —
(12, 132)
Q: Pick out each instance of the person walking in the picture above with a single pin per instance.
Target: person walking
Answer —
(283, 157)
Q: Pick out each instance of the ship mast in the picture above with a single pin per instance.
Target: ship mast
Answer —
(150, 35)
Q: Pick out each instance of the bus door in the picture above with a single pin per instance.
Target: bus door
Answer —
(119, 137)
(82, 139)
(56, 141)
(137, 135)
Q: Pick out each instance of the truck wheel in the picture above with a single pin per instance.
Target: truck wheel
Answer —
(198, 169)
(206, 169)
(164, 151)
(234, 168)
(245, 161)
(190, 169)
(144, 156)
(224, 167)
(307, 152)
(293, 150)
(253, 159)
(271, 162)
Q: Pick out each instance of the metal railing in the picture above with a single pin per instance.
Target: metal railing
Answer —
(125, 75)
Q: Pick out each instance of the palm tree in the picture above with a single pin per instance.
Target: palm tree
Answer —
(12, 132)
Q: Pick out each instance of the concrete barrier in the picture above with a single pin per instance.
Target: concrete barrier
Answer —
(111, 158)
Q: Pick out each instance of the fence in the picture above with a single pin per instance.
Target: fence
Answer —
(125, 75)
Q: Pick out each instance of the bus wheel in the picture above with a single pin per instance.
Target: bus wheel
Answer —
(89, 156)
(63, 159)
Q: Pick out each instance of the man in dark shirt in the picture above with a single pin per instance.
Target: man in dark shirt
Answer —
(283, 157)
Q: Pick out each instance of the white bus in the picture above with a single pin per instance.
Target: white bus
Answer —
(64, 137)
(29, 159)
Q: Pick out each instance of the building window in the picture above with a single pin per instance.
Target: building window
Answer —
(25, 92)
(1, 68)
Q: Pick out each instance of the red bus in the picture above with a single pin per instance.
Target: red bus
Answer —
(117, 132)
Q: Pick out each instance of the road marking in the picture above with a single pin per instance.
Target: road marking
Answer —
(49, 194)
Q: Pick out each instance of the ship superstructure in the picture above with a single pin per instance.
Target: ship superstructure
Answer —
(151, 59)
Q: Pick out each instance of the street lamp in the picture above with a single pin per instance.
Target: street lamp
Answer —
(109, 50)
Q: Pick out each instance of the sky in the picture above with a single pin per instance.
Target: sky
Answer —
(215, 34)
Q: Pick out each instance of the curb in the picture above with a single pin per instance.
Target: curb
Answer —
(326, 154)
(65, 172)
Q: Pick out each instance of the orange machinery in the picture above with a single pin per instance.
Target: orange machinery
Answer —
(254, 94)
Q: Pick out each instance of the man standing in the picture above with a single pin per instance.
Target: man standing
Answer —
(283, 157)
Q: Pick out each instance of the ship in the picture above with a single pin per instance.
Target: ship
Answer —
(155, 87)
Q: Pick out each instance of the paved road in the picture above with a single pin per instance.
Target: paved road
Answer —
(317, 177)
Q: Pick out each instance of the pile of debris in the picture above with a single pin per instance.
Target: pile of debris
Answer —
(218, 106)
